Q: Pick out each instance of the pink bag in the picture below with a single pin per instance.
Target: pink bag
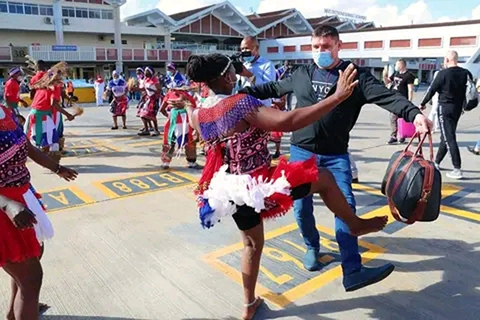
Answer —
(405, 129)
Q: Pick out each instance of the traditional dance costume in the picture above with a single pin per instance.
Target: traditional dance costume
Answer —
(40, 127)
(15, 193)
(238, 179)
(178, 131)
(119, 104)
(12, 94)
(58, 116)
(150, 102)
(176, 80)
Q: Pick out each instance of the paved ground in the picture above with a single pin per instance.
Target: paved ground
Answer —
(129, 245)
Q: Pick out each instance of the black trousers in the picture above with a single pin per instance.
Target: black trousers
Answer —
(448, 116)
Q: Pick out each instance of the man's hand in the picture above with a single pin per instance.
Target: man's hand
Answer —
(422, 107)
(422, 124)
(246, 73)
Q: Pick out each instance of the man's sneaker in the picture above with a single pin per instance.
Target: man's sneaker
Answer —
(392, 141)
(455, 174)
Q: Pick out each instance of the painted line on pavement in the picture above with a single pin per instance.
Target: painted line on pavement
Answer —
(282, 279)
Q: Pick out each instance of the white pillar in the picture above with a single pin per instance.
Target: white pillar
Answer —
(117, 37)
(57, 21)
(168, 45)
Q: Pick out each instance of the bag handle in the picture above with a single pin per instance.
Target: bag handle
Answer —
(421, 141)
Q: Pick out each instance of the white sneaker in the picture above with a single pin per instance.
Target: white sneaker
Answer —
(455, 174)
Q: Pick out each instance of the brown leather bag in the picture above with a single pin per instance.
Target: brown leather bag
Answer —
(413, 184)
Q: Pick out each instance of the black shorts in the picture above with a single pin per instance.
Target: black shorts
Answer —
(246, 218)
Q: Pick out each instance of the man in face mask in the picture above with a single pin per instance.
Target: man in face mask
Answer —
(12, 89)
(327, 140)
(261, 68)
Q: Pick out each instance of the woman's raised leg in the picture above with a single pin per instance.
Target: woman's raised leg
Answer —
(334, 199)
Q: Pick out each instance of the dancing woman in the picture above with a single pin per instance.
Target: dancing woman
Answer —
(23, 222)
(119, 103)
(40, 126)
(12, 89)
(148, 106)
(238, 179)
(178, 132)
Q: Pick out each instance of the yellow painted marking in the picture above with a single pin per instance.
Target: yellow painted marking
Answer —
(461, 213)
(87, 200)
(144, 144)
(163, 174)
(299, 291)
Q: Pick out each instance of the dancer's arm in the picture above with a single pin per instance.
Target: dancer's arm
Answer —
(45, 161)
(270, 119)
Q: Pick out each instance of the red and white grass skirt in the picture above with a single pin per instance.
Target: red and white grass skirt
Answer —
(18, 245)
(267, 190)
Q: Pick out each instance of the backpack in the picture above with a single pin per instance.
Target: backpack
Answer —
(471, 95)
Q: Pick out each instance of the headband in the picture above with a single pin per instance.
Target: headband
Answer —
(14, 71)
(139, 69)
(227, 66)
(149, 69)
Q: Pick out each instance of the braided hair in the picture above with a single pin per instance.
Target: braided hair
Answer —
(206, 68)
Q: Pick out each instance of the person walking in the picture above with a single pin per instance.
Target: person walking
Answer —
(401, 81)
(327, 139)
(451, 86)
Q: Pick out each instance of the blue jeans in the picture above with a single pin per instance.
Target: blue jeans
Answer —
(339, 166)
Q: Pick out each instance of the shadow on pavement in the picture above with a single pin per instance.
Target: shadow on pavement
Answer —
(456, 296)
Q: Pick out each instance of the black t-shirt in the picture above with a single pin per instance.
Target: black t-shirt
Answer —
(323, 81)
(400, 82)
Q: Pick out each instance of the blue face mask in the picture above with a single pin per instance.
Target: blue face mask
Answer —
(248, 59)
(169, 73)
(323, 59)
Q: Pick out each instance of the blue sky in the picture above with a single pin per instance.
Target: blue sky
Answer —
(382, 12)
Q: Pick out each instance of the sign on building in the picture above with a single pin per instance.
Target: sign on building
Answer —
(345, 15)
(64, 48)
(19, 53)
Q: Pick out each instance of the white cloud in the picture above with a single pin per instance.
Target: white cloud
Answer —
(389, 15)
(476, 12)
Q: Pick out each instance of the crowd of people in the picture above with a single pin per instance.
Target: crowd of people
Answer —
(234, 108)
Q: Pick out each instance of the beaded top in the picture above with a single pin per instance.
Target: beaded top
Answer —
(246, 151)
(13, 151)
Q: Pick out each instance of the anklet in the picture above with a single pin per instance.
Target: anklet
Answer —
(251, 304)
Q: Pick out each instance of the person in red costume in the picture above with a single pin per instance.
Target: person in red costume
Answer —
(23, 222)
(12, 89)
(238, 179)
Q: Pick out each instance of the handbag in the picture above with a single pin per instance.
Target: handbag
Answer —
(412, 184)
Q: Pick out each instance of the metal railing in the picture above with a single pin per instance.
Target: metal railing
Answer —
(90, 54)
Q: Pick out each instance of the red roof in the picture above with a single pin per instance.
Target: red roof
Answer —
(182, 15)
(260, 20)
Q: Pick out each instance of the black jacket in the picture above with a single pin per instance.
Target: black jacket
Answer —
(451, 85)
(330, 135)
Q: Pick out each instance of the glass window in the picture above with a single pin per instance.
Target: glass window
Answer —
(3, 6)
(107, 14)
(15, 7)
(46, 10)
(31, 9)
(94, 14)
(81, 13)
(68, 12)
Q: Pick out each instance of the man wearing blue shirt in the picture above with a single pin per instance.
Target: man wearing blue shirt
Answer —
(262, 69)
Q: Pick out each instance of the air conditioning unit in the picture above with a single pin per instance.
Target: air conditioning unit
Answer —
(65, 21)
(101, 37)
(47, 20)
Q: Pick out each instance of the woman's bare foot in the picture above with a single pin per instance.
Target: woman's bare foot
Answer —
(364, 226)
(251, 309)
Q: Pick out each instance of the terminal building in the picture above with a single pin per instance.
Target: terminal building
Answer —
(90, 36)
